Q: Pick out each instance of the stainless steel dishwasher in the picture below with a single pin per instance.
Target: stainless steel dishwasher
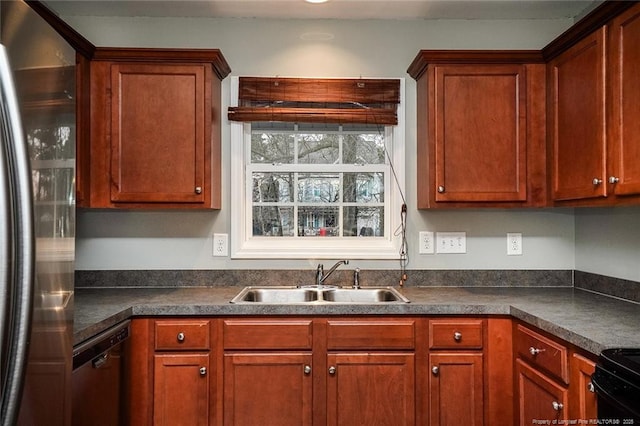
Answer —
(97, 378)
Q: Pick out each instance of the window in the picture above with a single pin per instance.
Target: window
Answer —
(316, 190)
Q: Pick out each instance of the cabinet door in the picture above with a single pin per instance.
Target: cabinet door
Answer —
(181, 389)
(480, 133)
(268, 389)
(158, 149)
(371, 389)
(456, 389)
(624, 125)
(583, 401)
(539, 397)
(577, 120)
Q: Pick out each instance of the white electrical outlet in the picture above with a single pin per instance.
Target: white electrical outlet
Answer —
(220, 244)
(425, 242)
(451, 242)
(514, 244)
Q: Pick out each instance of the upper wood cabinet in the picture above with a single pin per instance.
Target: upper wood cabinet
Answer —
(594, 134)
(481, 121)
(624, 126)
(577, 133)
(152, 120)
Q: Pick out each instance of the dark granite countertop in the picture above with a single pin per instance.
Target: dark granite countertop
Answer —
(590, 321)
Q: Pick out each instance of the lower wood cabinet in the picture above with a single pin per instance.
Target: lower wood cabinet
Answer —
(268, 389)
(172, 372)
(371, 389)
(456, 389)
(181, 389)
(540, 398)
(370, 370)
(298, 371)
(456, 371)
(582, 399)
(553, 380)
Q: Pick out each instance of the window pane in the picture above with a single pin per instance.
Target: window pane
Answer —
(318, 187)
(364, 187)
(272, 148)
(318, 221)
(273, 221)
(318, 148)
(272, 187)
(364, 221)
(366, 148)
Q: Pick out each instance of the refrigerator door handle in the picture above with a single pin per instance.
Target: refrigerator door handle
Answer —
(21, 246)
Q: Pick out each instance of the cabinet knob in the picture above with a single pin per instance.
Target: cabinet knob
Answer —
(457, 336)
(596, 181)
(307, 369)
(180, 337)
(441, 189)
(535, 351)
(198, 190)
(590, 387)
(203, 371)
(613, 179)
(557, 405)
(435, 370)
(332, 370)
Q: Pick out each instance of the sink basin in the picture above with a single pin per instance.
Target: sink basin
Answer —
(312, 294)
(363, 295)
(276, 295)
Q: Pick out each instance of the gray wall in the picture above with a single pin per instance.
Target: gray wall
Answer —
(182, 240)
(608, 242)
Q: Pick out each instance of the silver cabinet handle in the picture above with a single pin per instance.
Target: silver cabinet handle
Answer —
(332, 370)
(457, 336)
(590, 387)
(441, 189)
(613, 179)
(180, 337)
(203, 371)
(596, 181)
(535, 351)
(307, 369)
(435, 370)
(198, 190)
(557, 405)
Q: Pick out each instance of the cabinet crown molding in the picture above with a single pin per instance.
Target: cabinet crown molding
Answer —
(182, 56)
(426, 57)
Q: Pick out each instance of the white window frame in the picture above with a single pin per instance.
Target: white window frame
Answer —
(245, 246)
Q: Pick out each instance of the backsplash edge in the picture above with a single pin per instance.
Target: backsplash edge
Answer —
(344, 277)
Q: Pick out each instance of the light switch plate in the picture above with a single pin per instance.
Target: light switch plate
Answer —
(451, 242)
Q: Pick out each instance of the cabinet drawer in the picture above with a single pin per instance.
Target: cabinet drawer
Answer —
(182, 335)
(542, 352)
(267, 334)
(370, 334)
(456, 334)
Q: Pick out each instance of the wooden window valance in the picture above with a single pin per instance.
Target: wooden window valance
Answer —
(307, 100)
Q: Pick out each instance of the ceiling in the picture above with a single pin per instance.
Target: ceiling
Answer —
(333, 9)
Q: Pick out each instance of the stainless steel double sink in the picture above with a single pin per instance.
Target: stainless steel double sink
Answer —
(286, 295)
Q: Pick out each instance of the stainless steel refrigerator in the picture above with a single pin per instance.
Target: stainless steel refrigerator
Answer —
(37, 219)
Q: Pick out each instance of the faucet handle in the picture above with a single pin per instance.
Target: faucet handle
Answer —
(356, 278)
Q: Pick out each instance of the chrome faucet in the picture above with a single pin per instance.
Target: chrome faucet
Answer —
(321, 276)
